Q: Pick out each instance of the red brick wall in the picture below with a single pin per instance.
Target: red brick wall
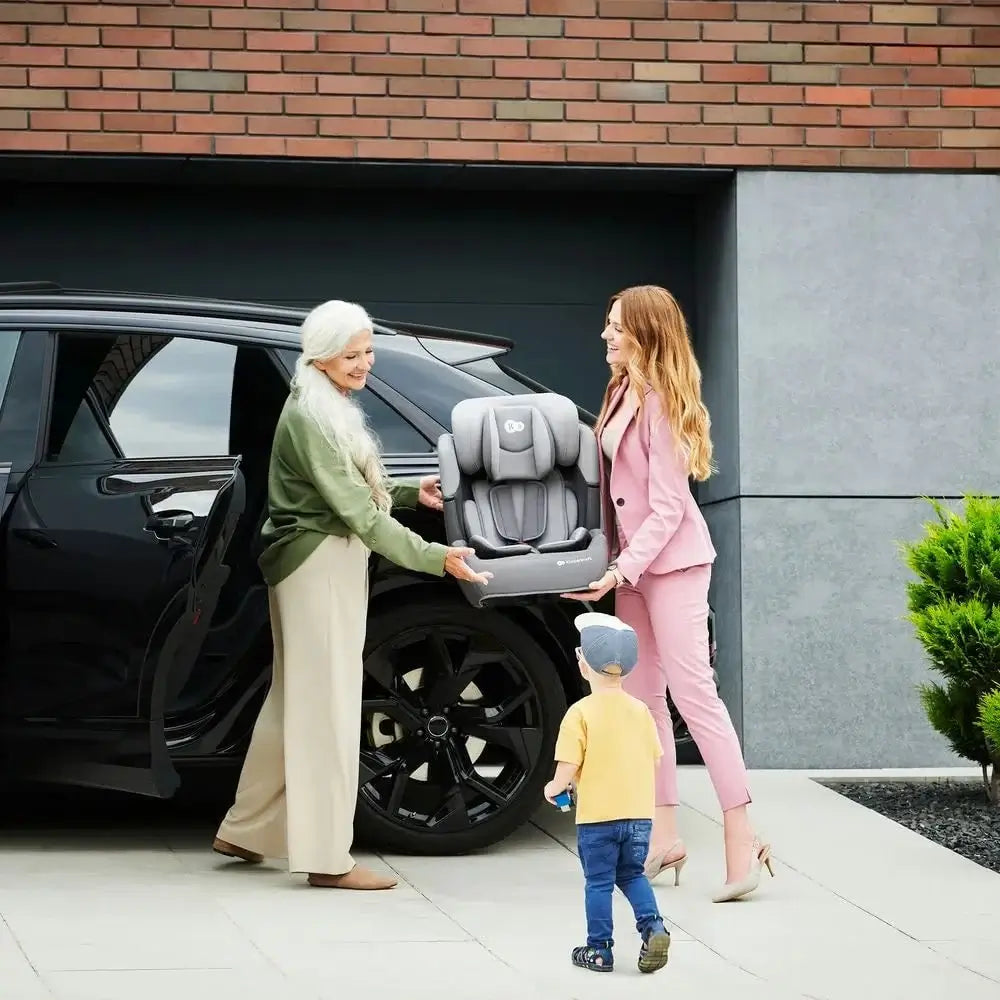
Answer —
(886, 84)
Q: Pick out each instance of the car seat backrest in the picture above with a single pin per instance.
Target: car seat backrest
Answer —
(520, 476)
(519, 459)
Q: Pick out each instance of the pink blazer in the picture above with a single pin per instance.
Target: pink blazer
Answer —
(649, 493)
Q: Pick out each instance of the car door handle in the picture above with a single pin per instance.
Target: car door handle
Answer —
(170, 522)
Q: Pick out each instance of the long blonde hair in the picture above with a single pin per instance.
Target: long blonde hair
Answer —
(325, 333)
(660, 355)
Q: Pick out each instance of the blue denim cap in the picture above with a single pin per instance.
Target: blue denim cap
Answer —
(606, 641)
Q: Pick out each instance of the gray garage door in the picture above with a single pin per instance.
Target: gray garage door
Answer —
(536, 268)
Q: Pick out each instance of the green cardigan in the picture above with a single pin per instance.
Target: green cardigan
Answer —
(315, 490)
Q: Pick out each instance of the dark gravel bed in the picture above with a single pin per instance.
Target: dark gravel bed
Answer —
(952, 813)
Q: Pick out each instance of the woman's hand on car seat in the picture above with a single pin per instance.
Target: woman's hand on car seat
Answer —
(430, 493)
(455, 564)
(597, 589)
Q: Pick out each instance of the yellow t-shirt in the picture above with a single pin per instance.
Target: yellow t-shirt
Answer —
(611, 737)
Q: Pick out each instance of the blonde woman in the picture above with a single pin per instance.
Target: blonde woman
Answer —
(654, 431)
(329, 503)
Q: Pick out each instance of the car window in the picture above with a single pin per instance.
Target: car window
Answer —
(8, 348)
(489, 371)
(396, 435)
(140, 396)
(431, 384)
(24, 375)
(497, 372)
(88, 438)
(179, 402)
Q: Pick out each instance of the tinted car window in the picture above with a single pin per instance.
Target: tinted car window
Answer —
(396, 435)
(140, 396)
(430, 384)
(21, 411)
(500, 374)
(88, 439)
(489, 371)
(8, 348)
(179, 402)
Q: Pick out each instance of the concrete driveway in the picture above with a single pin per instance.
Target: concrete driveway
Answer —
(859, 908)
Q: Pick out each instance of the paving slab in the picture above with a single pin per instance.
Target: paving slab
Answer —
(860, 907)
(18, 977)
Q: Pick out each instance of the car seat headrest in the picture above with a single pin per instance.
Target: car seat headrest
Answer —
(519, 445)
(516, 437)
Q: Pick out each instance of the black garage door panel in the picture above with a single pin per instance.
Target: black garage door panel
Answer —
(536, 268)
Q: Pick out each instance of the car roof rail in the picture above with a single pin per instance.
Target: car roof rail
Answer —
(154, 302)
(232, 309)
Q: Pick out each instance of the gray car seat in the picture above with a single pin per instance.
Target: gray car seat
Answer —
(519, 475)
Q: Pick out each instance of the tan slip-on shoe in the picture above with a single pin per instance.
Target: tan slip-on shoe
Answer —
(228, 850)
(357, 878)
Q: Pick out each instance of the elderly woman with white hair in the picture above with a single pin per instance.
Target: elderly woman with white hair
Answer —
(329, 503)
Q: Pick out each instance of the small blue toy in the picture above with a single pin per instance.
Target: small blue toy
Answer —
(564, 800)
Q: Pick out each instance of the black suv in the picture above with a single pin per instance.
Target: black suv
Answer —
(135, 434)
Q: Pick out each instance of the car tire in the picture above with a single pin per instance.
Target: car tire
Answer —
(402, 650)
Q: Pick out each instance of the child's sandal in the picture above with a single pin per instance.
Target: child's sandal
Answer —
(595, 959)
(654, 951)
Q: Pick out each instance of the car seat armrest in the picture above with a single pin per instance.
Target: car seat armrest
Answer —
(580, 539)
(487, 550)
(448, 467)
(589, 461)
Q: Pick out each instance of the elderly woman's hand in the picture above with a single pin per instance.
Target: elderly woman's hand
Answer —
(455, 565)
(430, 493)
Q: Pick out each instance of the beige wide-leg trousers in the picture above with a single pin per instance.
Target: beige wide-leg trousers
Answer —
(298, 789)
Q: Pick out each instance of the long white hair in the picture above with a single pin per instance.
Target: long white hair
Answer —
(325, 333)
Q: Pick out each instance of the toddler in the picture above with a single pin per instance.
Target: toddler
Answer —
(608, 745)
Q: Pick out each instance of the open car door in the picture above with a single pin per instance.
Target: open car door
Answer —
(113, 574)
(112, 569)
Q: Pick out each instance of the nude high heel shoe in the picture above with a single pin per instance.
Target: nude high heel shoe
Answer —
(655, 865)
(760, 855)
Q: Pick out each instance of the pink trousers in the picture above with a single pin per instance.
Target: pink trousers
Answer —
(669, 613)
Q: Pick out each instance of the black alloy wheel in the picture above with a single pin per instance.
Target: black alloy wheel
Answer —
(460, 710)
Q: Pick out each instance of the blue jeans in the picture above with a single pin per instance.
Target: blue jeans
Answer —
(614, 853)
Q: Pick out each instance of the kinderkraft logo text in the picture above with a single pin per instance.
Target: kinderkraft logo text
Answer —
(573, 562)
